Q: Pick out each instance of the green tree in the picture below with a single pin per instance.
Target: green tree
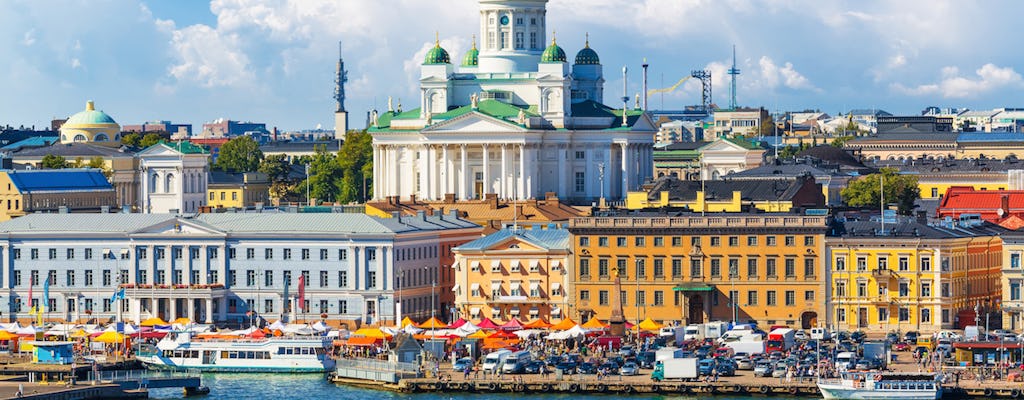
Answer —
(325, 176)
(241, 154)
(277, 169)
(356, 160)
(78, 163)
(131, 139)
(840, 142)
(899, 189)
(767, 127)
(52, 161)
(100, 164)
(150, 139)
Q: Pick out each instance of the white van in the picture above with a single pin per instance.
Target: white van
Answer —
(493, 360)
(516, 362)
(974, 333)
(846, 360)
(820, 334)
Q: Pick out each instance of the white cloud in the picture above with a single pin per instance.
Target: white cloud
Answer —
(988, 78)
(771, 76)
(29, 38)
(208, 58)
(76, 63)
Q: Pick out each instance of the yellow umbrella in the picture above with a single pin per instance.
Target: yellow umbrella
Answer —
(182, 321)
(406, 322)
(648, 325)
(154, 321)
(371, 333)
(480, 334)
(109, 337)
(5, 335)
(81, 333)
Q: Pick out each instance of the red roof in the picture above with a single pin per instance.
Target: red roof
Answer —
(988, 203)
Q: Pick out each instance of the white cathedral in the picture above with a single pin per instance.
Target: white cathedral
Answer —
(515, 120)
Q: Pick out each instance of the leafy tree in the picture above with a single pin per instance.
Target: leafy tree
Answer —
(241, 154)
(97, 162)
(356, 160)
(52, 161)
(131, 139)
(150, 139)
(324, 176)
(899, 189)
(78, 163)
(767, 127)
(840, 142)
(277, 168)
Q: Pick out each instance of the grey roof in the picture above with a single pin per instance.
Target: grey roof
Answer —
(293, 147)
(910, 227)
(831, 153)
(282, 223)
(681, 190)
(870, 111)
(551, 239)
(72, 150)
(946, 166)
(685, 145)
(783, 171)
(1015, 137)
(906, 137)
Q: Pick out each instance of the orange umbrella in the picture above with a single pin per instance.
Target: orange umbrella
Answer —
(540, 323)
(432, 323)
(564, 325)
(594, 323)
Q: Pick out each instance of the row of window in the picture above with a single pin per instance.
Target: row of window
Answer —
(142, 253)
(904, 314)
(695, 241)
(516, 289)
(753, 298)
(902, 289)
(753, 267)
(882, 263)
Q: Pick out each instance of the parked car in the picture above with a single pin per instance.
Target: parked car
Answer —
(901, 346)
(586, 368)
(534, 367)
(627, 351)
(779, 371)
(630, 368)
(911, 337)
(858, 336)
(892, 337)
(800, 335)
(725, 369)
(762, 369)
(567, 367)
(462, 363)
(744, 363)
(610, 368)
(646, 359)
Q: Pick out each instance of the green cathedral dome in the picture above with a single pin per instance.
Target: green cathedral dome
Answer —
(553, 54)
(587, 56)
(437, 55)
(472, 57)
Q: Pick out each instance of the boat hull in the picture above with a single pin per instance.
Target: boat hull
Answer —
(235, 369)
(837, 392)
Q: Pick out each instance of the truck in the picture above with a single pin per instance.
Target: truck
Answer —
(878, 351)
(668, 353)
(516, 362)
(747, 346)
(694, 332)
(820, 334)
(676, 368)
(974, 333)
(494, 360)
(715, 330)
(780, 339)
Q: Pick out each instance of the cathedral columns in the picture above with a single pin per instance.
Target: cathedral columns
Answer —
(563, 191)
(463, 174)
(503, 190)
(523, 173)
(625, 169)
(487, 172)
(376, 171)
(423, 182)
(445, 178)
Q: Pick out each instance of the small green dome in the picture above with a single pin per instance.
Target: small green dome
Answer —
(437, 55)
(553, 54)
(472, 57)
(90, 117)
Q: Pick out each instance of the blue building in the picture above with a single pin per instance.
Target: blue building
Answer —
(47, 352)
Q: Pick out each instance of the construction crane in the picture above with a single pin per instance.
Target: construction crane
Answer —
(668, 89)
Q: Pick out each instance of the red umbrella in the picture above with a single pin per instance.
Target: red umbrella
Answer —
(512, 325)
(503, 335)
(486, 323)
(459, 322)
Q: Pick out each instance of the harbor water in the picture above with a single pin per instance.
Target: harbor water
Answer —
(309, 386)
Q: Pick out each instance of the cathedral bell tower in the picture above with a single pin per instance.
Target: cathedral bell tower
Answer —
(512, 34)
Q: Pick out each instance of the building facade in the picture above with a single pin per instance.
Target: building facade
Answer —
(515, 120)
(514, 273)
(173, 177)
(1012, 279)
(91, 126)
(223, 268)
(689, 268)
(237, 190)
(65, 190)
(910, 276)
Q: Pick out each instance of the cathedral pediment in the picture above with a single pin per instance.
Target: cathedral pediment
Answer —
(475, 122)
(178, 226)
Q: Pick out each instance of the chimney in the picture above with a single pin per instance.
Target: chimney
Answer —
(922, 217)
(492, 200)
(422, 215)
(454, 213)
(412, 198)
(1005, 205)
(449, 198)
(519, 211)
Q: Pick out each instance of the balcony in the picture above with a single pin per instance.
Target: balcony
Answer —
(883, 273)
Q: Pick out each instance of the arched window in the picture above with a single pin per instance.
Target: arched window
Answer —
(153, 183)
(169, 183)
(80, 138)
(100, 137)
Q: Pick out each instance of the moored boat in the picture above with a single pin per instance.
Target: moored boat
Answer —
(868, 385)
(286, 354)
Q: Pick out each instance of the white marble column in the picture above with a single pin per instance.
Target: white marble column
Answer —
(393, 170)
(445, 172)
(209, 311)
(382, 262)
(421, 168)
(172, 309)
(376, 172)
(487, 171)
(609, 176)
(624, 170)
(357, 267)
(463, 174)
(503, 191)
(521, 179)
(563, 191)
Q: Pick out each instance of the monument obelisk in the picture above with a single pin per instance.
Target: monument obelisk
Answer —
(617, 322)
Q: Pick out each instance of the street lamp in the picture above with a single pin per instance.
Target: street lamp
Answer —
(600, 174)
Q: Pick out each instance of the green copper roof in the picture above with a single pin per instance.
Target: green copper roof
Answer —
(437, 55)
(184, 147)
(90, 116)
(553, 54)
(742, 142)
(492, 108)
(587, 56)
(472, 57)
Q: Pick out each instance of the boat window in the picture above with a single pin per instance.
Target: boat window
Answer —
(232, 354)
(320, 351)
(224, 354)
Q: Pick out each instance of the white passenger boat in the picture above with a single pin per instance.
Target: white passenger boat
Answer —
(288, 354)
(868, 385)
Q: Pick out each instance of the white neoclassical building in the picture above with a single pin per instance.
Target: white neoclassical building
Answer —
(515, 120)
(173, 176)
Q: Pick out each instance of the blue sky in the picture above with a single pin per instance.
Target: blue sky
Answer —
(273, 60)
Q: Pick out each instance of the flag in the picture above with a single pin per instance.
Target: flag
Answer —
(287, 300)
(31, 307)
(117, 295)
(302, 292)
(46, 295)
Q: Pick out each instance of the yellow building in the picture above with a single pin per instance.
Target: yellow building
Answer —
(64, 190)
(687, 267)
(524, 274)
(912, 276)
(1012, 279)
(729, 195)
(90, 125)
(935, 177)
(237, 190)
